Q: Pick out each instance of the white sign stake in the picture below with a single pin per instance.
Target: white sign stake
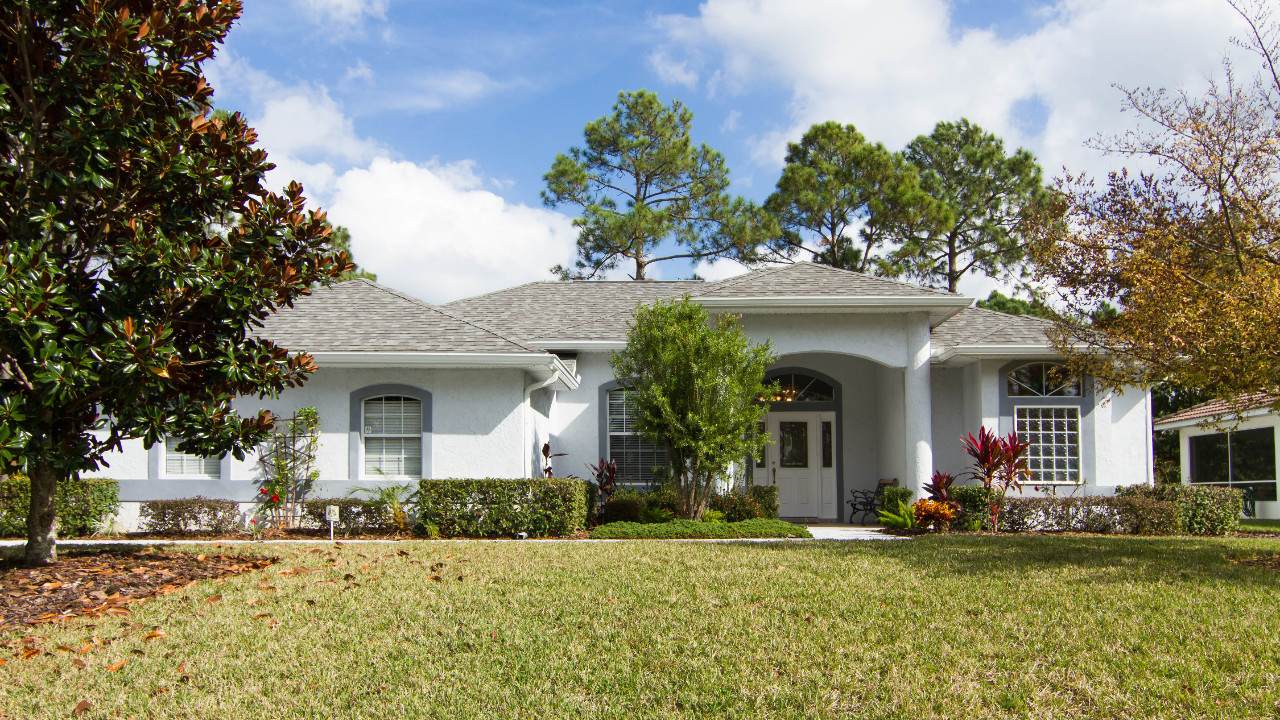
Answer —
(331, 514)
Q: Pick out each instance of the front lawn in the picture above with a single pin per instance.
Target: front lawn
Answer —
(937, 627)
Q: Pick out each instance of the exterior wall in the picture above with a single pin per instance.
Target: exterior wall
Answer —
(1266, 510)
(477, 430)
(951, 418)
(882, 338)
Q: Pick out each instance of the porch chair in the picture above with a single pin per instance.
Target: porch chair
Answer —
(869, 502)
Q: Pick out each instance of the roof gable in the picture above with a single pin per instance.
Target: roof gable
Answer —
(1216, 410)
(363, 316)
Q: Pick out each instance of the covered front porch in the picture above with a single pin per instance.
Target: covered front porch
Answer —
(840, 423)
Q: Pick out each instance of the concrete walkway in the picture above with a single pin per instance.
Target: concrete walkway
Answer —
(819, 532)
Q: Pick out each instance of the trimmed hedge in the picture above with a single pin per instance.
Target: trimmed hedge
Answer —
(197, 514)
(1124, 515)
(630, 505)
(689, 529)
(975, 510)
(892, 495)
(1205, 509)
(355, 515)
(82, 504)
(540, 507)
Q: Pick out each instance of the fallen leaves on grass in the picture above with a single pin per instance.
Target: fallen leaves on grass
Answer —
(90, 584)
(1268, 562)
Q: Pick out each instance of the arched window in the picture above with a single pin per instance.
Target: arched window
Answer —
(1042, 380)
(391, 428)
(1046, 415)
(799, 387)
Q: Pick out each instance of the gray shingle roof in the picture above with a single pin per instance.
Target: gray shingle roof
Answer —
(978, 326)
(363, 316)
(580, 310)
(809, 279)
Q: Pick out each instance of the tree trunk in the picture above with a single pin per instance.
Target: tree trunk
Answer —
(42, 519)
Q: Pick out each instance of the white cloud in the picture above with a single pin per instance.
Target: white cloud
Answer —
(672, 71)
(894, 69)
(719, 269)
(441, 89)
(346, 11)
(360, 71)
(435, 230)
(731, 121)
(432, 231)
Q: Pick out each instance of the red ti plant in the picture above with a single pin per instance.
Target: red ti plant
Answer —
(939, 489)
(606, 479)
(999, 464)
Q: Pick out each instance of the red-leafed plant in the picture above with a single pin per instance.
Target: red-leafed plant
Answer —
(939, 489)
(605, 475)
(999, 464)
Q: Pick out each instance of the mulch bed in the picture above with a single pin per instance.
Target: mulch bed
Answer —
(269, 535)
(98, 584)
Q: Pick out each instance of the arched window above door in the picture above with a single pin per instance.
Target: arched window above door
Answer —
(1042, 380)
(800, 387)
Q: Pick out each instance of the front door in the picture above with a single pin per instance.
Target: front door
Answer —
(801, 462)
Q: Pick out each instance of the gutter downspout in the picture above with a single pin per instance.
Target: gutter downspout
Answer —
(528, 421)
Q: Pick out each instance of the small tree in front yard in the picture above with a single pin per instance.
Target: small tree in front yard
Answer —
(695, 381)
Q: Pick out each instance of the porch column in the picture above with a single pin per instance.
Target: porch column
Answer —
(918, 405)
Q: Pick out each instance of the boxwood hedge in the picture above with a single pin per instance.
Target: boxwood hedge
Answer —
(82, 505)
(538, 507)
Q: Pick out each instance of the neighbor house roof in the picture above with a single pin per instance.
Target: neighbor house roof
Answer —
(1216, 410)
(363, 316)
(551, 313)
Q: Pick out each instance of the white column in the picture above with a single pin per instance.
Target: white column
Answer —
(916, 393)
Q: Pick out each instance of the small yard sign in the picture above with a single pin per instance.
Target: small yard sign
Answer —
(331, 514)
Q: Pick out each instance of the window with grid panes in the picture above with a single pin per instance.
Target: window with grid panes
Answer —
(392, 434)
(180, 464)
(1053, 437)
(639, 462)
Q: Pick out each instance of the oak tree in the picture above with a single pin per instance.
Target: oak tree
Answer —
(1191, 250)
(128, 300)
(648, 194)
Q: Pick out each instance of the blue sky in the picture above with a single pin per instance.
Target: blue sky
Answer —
(425, 126)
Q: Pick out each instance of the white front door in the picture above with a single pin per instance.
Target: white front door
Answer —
(801, 462)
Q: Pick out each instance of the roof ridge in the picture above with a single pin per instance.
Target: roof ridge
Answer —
(495, 292)
(451, 315)
(757, 272)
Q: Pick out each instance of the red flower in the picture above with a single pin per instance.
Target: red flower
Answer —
(275, 498)
(263, 491)
(254, 521)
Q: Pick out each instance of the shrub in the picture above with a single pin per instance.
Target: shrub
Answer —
(82, 505)
(622, 509)
(197, 514)
(541, 507)
(656, 514)
(933, 514)
(975, 510)
(900, 517)
(1127, 515)
(354, 515)
(713, 516)
(1205, 509)
(681, 529)
(738, 505)
(767, 497)
(892, 495)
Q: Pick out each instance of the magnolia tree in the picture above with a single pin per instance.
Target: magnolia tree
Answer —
(140, 246)
(696, 382)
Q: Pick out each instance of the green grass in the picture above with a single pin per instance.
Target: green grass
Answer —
(936, 627)
(688, 529)
(1260, 526)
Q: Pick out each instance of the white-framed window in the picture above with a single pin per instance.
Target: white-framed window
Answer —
(391, 430)
(639, 462)
(181, 464)
(1053, 437)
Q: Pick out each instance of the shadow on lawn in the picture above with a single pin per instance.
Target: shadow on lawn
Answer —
(1104, 558)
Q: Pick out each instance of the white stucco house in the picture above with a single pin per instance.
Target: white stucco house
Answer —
(1234, 445)
(879, 379)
